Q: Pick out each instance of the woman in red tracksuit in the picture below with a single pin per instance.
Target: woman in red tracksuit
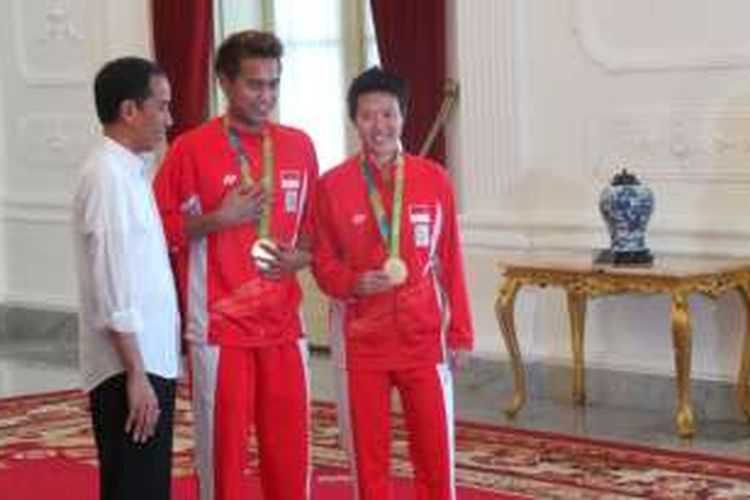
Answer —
(386, 250)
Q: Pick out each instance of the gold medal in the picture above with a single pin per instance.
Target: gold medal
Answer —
(260, 255)
(396, 270)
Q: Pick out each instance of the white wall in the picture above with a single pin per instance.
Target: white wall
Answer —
(52, 50)
(555, 96)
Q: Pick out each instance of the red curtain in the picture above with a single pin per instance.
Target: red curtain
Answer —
(182, 33)
(411, 41)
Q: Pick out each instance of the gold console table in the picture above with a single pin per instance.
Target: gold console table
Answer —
(581, 279)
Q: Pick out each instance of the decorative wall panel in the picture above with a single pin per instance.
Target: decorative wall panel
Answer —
(686, 145)
(643, 35)
(54, 48)
(52, 140)
(52, 39)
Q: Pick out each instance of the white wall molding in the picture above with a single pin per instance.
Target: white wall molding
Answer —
(35, 210)
(53, 40)
(607, 54)
(42, 301)
(702, 142)
(52, 140)
(576, 231)
(125, 29)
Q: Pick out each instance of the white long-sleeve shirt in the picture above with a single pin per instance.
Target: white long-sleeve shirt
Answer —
(124, 276)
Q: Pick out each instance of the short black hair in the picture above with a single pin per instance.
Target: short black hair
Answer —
(243, 45)
(377, 80)
(122, 79)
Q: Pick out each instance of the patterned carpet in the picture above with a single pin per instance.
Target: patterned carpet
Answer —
(489, 458)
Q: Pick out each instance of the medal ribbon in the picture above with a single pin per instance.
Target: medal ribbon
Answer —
(390, 231)
(264, 224)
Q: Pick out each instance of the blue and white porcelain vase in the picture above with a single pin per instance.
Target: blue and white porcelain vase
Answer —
(626, 206)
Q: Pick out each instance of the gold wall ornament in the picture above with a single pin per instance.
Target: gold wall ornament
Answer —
(675, 276)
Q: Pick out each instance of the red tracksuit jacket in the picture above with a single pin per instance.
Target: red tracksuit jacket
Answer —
(224, 298)
(415, 323)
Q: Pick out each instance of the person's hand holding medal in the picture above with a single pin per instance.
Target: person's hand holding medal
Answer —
(276, 259)
(264, 253)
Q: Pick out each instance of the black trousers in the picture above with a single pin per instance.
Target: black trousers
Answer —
(129, 470)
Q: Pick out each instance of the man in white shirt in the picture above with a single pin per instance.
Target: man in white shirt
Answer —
(129, 342)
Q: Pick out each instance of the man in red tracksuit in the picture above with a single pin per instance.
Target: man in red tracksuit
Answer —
(233, 194)
(387, 251)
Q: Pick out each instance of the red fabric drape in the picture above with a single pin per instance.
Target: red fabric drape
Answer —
(411, 41)
(182, 32)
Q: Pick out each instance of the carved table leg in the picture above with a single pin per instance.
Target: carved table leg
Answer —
(682, 345)
(505, 310)
(577, 314)
(742, 389)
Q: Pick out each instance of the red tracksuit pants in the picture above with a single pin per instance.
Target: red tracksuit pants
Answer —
(265, 388)
(427, 401)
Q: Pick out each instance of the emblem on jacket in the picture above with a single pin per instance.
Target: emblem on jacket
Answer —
(229, 180)
(421, 217)
(359, 219)
(291, 182)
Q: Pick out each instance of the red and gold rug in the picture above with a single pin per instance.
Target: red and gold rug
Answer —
(46, 446)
